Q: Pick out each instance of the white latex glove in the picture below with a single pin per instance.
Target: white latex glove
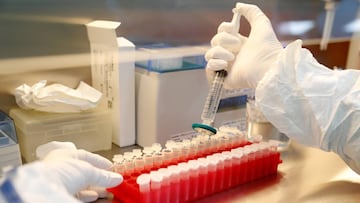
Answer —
(246, 59)
(68, 172)
(82, 173)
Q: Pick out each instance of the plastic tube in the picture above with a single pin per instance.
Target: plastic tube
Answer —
(174, 183)
(158, 159)
(148, 158)
(165, 190)
(184, 182)
(139, 163)
(194, 174)
(227, 168)
(188, 181)
(144, 187)
(128, 166)
(168, 156)
(211, 179)
(203, 174)
(156, 180)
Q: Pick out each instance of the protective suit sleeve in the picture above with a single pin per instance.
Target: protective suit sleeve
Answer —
(28, 184)
(313, 104)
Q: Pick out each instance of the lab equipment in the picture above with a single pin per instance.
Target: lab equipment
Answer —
(330, 6)
(9, 147)
(222, 165)
(164, 110)
(113, 73)
(171, 86)
(89, 130)
(215, 93)
(211, 105)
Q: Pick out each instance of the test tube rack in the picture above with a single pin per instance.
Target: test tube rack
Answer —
(175, 175)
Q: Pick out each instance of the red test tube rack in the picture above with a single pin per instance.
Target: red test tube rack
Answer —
(175, 176)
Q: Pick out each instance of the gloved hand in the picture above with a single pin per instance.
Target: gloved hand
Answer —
(246, 59)
(81, 173)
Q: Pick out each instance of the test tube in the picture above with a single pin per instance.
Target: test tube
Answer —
(236, 167)
(275, 156)
(174, 183)
(177, 152)
(250, 162)
(194, 179)
(143, 182)
(203, 173)
(266, 157)
(225, 141)
(168, 156)
(158, 159)
(193, 150)
(214, 143)
(201, 148)
(228, 132)
(118, 165)
(165, 187)
(257, 160)
(139, 163)
(220, 171)
(156, 180)
(129, 166)
(211, 180)
(184, 182)
(148, 158)
(262, 159)
(186, 145)
(226, 155)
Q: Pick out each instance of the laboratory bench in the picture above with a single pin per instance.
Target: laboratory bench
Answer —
(305, 175)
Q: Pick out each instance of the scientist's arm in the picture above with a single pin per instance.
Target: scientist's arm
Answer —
(307, 101)
(61, 176)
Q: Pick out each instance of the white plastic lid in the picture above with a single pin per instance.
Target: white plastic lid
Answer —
(211, 164)
(147, 150)
(175, 169)
(156, 147)
(143, 179)
(203, 162)
(165, 172)
(193, 164)
(184, 166)
(156, 177)
(236, 154)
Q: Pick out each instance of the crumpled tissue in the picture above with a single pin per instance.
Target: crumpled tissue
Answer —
(57, 97)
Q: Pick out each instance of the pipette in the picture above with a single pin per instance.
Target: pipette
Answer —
(330, 13)
(216, 89)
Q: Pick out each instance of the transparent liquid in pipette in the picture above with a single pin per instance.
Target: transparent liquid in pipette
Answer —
(213, 98)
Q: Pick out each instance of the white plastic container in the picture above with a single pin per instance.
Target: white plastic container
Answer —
(90, 130)
(9, 148)
(170, 96)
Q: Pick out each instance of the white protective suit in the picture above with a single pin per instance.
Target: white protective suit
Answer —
(309, 102)
(65, 174)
